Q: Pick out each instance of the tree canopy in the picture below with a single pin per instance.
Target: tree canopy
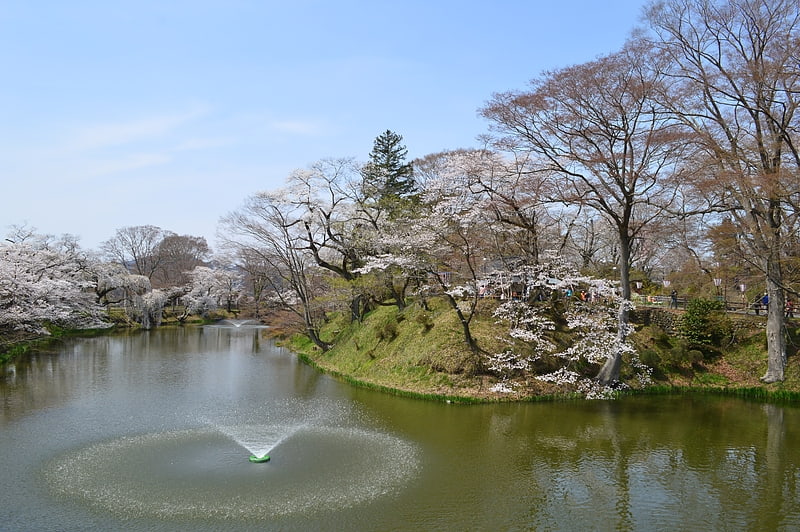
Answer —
(388, 180)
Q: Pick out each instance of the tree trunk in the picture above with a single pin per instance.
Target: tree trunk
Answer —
(314, 336)
(609, 373)
(312, 329)
(355, 308)
(465, 327)
(776, 325)
(397, 295)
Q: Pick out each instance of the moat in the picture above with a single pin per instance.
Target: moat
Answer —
(152, 431)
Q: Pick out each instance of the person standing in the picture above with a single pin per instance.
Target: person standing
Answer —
(673, 302)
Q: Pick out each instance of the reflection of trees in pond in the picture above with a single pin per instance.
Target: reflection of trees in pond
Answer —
(53, 374)
(638, 461)
(46, 377)
(778, 473)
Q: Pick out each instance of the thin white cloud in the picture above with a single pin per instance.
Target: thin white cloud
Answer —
(125, 164)
(298, 127)
(204, 144)
(105, 135)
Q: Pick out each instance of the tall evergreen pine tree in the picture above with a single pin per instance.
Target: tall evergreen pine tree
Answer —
(387, 177)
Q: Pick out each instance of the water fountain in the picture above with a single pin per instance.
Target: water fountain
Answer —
(237, 324)
(234, 324)
(326, 463)
(259, 439)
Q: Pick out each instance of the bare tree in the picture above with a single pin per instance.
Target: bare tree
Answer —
(256, 271)
(590, 241)
(136, 248)
(614, 150)
(269, 229)
(735, 81)
(179, 254)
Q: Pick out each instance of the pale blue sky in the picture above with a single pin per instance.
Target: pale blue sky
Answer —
(170, 113)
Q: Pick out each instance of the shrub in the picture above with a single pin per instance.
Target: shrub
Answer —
(650, 358)
(424, 319)
(675, 356)
(387, 331)
(705, 322)
(681, 354)
(693, 356)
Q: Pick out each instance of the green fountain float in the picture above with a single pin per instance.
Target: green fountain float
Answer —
(258, 440)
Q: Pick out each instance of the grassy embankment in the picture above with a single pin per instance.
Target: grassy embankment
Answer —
(422, 353)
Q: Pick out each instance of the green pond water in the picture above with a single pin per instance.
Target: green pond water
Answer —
(153, 431)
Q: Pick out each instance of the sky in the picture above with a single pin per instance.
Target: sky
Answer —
(172, 112)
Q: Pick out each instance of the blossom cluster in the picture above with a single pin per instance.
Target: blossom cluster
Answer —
(595, 327)
(45, 283)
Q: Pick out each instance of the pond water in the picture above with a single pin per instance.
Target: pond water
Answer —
(152, 431)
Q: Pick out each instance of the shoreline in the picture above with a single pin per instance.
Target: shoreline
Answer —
(754, 393)
(473, 390)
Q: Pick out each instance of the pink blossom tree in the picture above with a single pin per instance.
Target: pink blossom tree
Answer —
(46, 281)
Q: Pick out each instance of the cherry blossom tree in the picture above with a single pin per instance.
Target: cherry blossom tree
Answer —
(113, 284)
(211, 288)
(202, 297)
(44, 281)
(148, 308)
(515, 197)
(335, 230)
(446, 237)
(540, 309)
(341, 223)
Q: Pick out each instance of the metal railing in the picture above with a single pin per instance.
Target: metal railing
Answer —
(746, 307)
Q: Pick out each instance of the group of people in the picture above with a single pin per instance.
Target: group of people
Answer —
(759, 303)
(763, 302)
(583, 295)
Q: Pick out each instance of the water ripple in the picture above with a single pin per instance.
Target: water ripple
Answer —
(201, 473)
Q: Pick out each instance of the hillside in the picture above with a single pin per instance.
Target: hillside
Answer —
(421, 352)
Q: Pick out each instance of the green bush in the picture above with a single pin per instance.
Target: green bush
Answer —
(650, 358)
(675, 356)
(693, 356)
(681, 354)
(387, 331)
(424, 319)
(705, 322)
